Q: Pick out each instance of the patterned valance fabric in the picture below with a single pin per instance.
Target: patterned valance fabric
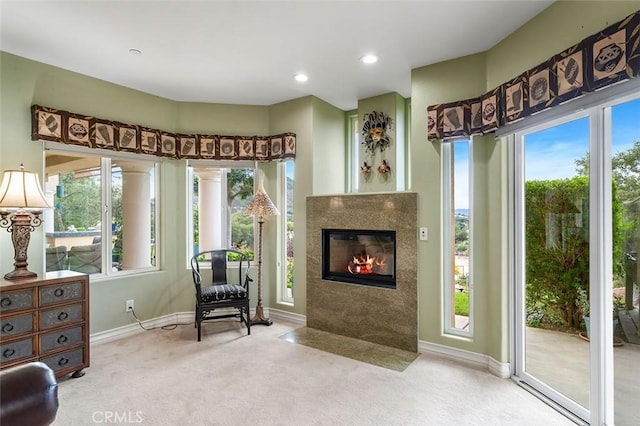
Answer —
(70, 128)
(607, 57)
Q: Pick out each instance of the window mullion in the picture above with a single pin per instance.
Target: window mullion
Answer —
(107, 216)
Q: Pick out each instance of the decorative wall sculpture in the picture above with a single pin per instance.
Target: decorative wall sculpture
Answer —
(607, 57)
(70, 128)
(374, 131)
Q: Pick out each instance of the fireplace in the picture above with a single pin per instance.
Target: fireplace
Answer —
(376, 314)
(365, 257)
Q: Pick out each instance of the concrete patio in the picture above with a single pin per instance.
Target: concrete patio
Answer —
(562, 361)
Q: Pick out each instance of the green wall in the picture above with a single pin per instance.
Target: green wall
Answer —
(393, 105)
(24, 82)
(558, 27)
(328, 149)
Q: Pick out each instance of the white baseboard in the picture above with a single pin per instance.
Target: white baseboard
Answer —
(179, 318)
(495, 367)
(134, 327)
(288, 316)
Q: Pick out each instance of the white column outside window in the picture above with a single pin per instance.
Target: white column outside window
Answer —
(136, 215)
(210, 202)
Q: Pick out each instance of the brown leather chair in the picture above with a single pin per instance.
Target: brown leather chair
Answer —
(28, 395)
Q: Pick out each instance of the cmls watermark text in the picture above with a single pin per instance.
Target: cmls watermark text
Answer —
(117, 417)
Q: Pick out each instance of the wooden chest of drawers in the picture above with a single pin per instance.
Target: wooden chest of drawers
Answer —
(46, 320)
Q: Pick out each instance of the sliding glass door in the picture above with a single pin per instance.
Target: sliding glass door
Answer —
(576, 234)
(553, 261)
(625, 172)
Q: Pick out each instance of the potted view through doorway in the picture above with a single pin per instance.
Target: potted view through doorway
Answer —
(583, 304)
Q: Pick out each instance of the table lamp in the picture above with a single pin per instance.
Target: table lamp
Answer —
(21, 205)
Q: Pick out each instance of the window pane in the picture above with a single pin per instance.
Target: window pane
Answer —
(218, 199)
(625, 170)
(133, 215)
(556, 259)
(75, 242)
(239, 195)
(289, 229)
(86, 232)
(456, 242)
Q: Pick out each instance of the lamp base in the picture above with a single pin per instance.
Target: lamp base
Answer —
(20, 274)
(259, 318)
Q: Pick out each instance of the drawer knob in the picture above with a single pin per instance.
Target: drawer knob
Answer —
(62, 339)
(58, 292)
(63, 316)
(8, 352)
(5, 302)
(63, 361)
(7, 327)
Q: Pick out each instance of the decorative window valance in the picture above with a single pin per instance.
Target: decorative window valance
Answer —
(76, 129)
(607, 57)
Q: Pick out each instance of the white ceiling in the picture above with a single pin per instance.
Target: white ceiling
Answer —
(243, 52)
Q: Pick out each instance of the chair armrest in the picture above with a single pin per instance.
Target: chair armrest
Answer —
(28, 395)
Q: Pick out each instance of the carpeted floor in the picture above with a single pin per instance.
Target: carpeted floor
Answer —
(165, 377)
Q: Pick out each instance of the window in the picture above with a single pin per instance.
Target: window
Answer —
(353, 148)
(79, 185)
(286, 217)
(218, 197)
(457, 234)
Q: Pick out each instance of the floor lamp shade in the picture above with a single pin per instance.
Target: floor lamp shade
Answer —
(21, 205)
(260, 206)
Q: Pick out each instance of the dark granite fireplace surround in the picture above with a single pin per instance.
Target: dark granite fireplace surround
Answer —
(374, 313)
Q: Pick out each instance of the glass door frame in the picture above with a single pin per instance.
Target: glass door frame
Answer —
(597, 106)
(518, 242)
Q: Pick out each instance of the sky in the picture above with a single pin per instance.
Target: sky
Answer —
(551, 153)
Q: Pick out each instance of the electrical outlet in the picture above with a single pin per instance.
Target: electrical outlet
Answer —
(424, 234)
(129, 306)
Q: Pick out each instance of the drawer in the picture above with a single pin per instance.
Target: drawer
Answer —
(60, 316)
(69, 359)
(60, 338)
(14, 300)
(10, 326)
(60, 293)
(16, 350)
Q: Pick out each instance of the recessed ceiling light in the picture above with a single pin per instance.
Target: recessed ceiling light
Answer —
(301, 77)
(369, 59)
(135, 52)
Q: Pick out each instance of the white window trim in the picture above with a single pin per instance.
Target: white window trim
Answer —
(353, 146)
(106, 157)
(224, 166)
(448, 262)
(282, 237)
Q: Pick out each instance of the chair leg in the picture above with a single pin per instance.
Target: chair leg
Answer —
(248, 320)
(198, 323)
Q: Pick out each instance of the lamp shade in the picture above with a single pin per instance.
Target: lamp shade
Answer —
(261, 205)
(21, 190)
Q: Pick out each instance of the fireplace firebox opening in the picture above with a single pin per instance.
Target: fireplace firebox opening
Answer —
(366, 257)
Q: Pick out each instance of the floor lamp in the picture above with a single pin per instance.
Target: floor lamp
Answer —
(21, 204)
(260, 206)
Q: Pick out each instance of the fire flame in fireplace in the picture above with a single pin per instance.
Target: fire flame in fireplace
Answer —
(366, 264)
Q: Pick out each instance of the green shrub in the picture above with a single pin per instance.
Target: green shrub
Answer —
(557, 249)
